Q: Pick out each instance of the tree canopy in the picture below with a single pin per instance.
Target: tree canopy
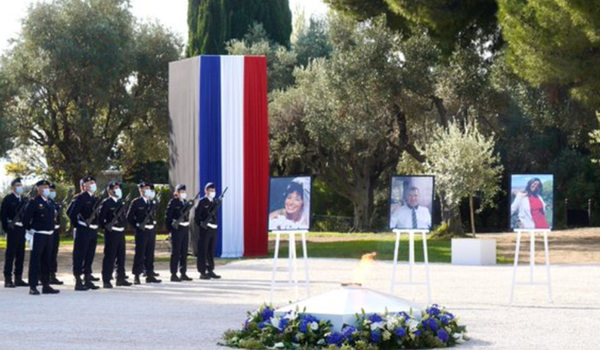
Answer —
(83, 72)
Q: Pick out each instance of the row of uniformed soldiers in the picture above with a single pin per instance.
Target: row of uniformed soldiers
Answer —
(40, 219)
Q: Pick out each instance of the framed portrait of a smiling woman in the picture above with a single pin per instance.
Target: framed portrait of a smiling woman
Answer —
(289, 203)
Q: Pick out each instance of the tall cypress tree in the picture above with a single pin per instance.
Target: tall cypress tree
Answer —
(212, 23)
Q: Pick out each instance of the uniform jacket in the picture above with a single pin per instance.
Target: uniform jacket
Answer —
(10, 207)
(39, 215)
(107, 213)
(202, 212)
(174, 209)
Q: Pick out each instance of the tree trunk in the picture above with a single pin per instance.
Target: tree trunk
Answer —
(472, 210)
(362, 206)
(451, 215)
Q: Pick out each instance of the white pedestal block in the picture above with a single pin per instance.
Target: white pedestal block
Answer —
(473, 251)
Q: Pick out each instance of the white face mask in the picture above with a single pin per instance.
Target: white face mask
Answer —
(46, 192)
(147, 193)
(152, 194)
(118, 193)
(212, 195)
(52, 195)
(183, 195)
(19, 190)
(93, 188)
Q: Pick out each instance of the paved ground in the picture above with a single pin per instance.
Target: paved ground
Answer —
(193, 315)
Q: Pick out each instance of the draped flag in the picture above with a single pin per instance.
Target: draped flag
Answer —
(219, 133)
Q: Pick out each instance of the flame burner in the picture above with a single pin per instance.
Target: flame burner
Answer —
(341, 305)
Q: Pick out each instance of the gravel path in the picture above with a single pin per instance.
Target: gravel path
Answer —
(193, 315)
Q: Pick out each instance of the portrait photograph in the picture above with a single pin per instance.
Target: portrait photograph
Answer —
(411, 202)
(532, 200)
(289, 203)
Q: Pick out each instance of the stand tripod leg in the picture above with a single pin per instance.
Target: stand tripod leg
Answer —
(275, 256)
(514, 281)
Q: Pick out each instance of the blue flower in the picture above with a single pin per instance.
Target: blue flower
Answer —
(443, 335)
(400, 332)
(309, 318)
(404, 315)
(433, 310)
(375, 318)
(283, 323)
(266, 314)
(445, 319)
(449, 315)
(303, 327)
(261, 325)
(375, 337)
(418, 333)
(335, 338)
(431, 324)
(348, 331)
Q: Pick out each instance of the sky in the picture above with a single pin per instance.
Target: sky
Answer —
(171, 13)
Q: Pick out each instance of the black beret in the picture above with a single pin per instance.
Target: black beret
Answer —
(53, 186)
(142, 184)
(151, 185)
(112, 185)
(209, 185)
(16, 181)
(42, 183)
(180, 187)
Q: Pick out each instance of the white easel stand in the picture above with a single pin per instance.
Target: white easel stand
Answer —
(292, 262)
(411, 262)
(531, 282)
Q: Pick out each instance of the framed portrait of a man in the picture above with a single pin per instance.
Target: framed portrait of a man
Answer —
(289, 203)
(531, 201)
(411, 202)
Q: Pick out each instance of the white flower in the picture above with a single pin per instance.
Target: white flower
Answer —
(458, 337)
(291, 316)
(321, 342)
(275, 322)
(314, 326)
(392, 322)
(412, 325)
(279, 345)
(376, 325)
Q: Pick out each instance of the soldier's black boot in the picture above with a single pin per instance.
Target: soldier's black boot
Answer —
(89, 284)
(107, 285)
(8, 283)
(54, 280)
(122, 282)
(174, 278)
(19, 281)
(136, 279)
(79, 284)
(49, 290)
(34, 291)
(185, 277)
(152, 279)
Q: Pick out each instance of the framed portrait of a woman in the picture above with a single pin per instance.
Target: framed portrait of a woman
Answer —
(289, 203)
(531, 201)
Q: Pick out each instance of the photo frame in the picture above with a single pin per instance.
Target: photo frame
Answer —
(411, 202)
(290, 203)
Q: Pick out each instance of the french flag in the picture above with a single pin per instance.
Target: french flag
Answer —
(219, 133)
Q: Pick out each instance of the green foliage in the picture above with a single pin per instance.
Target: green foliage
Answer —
(213, 23)
(555, 43)
(82, 72)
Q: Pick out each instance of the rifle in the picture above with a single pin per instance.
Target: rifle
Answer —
(95, 210)
(213, 211)
(151, 211)
(62, 204)
(185, 211)
(21, 210)
(119, 213)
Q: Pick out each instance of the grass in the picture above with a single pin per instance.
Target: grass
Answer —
(340, 245)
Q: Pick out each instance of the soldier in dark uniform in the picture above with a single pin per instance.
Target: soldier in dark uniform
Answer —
(55, 236)
(85, 233)
(39, 220)
(13, 226)
(142, 216)
(179, 234)
(114, 235)
(206, 219)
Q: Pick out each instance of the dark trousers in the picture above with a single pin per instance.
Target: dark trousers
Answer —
(179, 249)
(207, 240)
(145, 241)
(54, 257)
(15, 252)
(39, 264)
(114, 251)
(84, 250)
